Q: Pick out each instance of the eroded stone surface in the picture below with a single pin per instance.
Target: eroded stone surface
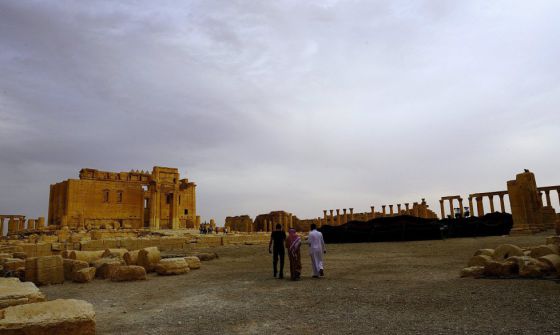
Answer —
(13, 292)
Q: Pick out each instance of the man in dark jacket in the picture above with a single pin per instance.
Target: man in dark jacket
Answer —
(277, 238)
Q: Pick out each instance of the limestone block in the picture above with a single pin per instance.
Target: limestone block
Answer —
(552, 260)
(505, 251)
(486, 252)
(84, 275)
(88, 256)
(529, 267)
(193, 262)
(207, 256)
(172, 266)
(13, 292)
(5, 255)
(501, 269)
(57, 317)
(12, 264)
(479, 260)
(71, 266)
(105, 266)
(49, 270)
(129, 273)
(131, 257)
(543, 250)
(473, 271)
(148, 258)
(114, 253)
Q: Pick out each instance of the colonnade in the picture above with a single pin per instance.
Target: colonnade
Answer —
(17, 223)
(546, 190)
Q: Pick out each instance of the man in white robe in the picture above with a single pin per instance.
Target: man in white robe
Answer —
(316, 251)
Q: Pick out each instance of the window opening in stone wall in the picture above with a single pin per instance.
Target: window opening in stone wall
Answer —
(119, 196)
(105, 195)
(169, 198)
(186, 212)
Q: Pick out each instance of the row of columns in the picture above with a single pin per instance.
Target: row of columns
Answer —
(18, 224)
(340, 218)
(547, 196)
(285, 220)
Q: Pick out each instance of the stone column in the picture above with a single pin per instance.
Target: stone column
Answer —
(290, 220)
(345, 216)
(558, 191)
(502, 205)
(338, 217)
(40, 224)
(31, 224)
(319, 221)
(415, 209)
(1, 226)
(332, 217)
(442, 209)
(383, 210)
(373, 209)
(325, 215)
(21, 224)
(547, 194)
(351, 214)
(491, 198)
(12, 226)
(407, 208)
(479, 207)
(451, 208)
(391, 213)
(471, 207)
(398, 209)
(461, 207)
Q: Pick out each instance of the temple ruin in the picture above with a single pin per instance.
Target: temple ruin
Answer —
(135, 199)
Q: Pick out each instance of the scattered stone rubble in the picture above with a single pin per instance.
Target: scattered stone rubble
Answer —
(24, 310)
(509, 261)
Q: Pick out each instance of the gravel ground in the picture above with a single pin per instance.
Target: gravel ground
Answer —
(383, 288)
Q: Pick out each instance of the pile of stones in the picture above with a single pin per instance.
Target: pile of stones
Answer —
(510, 261)
(84, 266)
(25, 310)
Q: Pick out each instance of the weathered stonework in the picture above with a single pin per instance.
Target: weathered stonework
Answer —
(136, 199)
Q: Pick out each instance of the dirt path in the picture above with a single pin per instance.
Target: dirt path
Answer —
(383, 288)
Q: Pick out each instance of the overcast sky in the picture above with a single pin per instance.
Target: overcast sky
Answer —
(280, 105)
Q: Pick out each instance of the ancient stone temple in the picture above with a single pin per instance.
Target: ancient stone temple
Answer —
(135, 199)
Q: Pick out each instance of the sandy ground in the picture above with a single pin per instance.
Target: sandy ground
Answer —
(376, 288)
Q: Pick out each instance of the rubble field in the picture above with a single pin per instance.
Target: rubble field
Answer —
(384, 288)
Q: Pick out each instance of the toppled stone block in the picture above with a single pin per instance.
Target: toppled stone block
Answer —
(13, 292)
(20, 255)
(57, 317)
(131, 257)
(485, 252)
(88, 256)
(84, 275)
(129, 273)
(114, 253)
(12, 264)
(543, 250)
(172, 266)
(501, 269)
(148, 258)
(553, 240)
(505, 251)
(44, 270)
(529, 267)
(479, 260)
(193, 262)
(473, 271)
(553, 261)
(71, 265)
(105, 266)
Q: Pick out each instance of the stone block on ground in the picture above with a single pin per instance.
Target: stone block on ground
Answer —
(553, 240)
(530, 267)
(131, 257)
(172, 266)
(553, 262)
(84, 275)
(473, 271)
(543, 250)
(12, 264)
(501, 269)
(505, 251)
(14, 292)
(129, 273)
(71, 266)
(485, 252)
(114, 253)
(44, 270)
(57, 317)
(479, 260)
(20, 255)
(88, 256)
(105, 266)
(148, 258)
(193, 262)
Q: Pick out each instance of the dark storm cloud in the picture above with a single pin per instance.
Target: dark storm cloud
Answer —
(280, 105)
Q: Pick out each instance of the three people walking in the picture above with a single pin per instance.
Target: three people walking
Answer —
(293, 244)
